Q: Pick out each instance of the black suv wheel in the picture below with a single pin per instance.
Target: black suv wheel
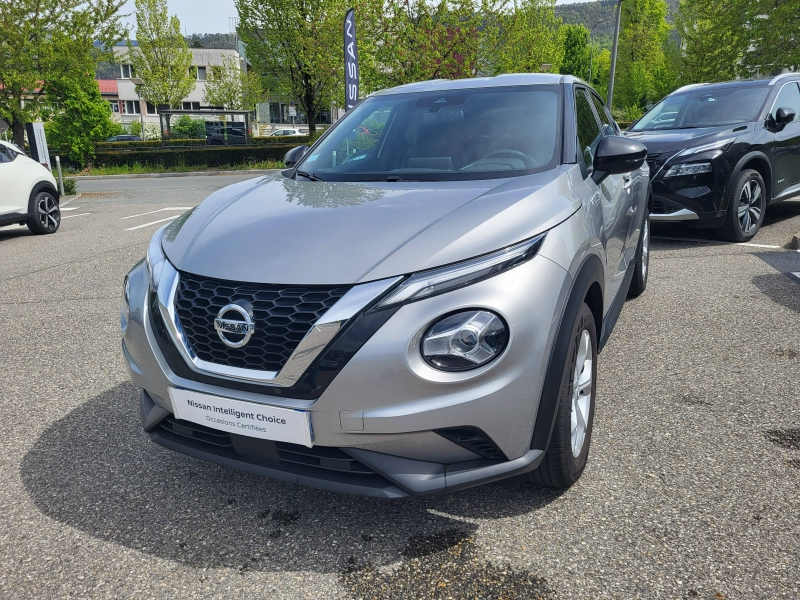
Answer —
(745, 208)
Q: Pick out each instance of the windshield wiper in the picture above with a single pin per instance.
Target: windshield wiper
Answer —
(308, 175)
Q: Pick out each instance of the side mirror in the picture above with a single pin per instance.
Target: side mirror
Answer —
(616, 155)
(785, 115)
(294, 155)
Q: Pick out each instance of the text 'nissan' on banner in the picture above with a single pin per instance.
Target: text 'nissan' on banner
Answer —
(350, 61)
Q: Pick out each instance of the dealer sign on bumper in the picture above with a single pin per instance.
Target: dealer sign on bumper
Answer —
(244, 418)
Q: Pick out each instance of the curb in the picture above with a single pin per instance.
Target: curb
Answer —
(187, 174)
(69, 199)
(795, 243)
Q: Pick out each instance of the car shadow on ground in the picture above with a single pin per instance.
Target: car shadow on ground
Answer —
(97, 471)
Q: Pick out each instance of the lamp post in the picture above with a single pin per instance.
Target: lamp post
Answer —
(614, 57)
(138, 82)
(591, 48)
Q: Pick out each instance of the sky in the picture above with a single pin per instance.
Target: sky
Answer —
(208, 16)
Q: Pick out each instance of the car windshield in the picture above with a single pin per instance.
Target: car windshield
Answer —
(443, 135)
(705, 108)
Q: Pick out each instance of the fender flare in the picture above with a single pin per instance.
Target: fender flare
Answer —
(590, 272)
(740, 166)
(44, 185)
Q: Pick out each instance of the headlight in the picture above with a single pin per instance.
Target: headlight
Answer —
(155, 258)
(465, 340)
(445, 279)
(688, 169)
(718, 145)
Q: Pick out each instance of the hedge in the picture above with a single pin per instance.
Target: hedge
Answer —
(298, 140)
(210, 156)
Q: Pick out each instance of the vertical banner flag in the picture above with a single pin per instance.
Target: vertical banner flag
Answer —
(350, 61)
(37, 142)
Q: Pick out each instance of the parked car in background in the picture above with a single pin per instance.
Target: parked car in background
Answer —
(404, 313)
(28, 192)
(720, 153)
(286, 132)
(217, 135)
(124, 138)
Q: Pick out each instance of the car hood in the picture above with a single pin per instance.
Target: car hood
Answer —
(658, 142)
(278, 230)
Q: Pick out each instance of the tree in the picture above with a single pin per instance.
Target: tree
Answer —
(642, 41)
(232, 87)
(576, 51)
(162, 59)
(528, 39)
(294, 46)
(78, 116)
(43, 41)
(712, 37)
(774, 43)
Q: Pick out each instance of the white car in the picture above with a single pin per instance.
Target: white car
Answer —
(29, 193)
(286, 132)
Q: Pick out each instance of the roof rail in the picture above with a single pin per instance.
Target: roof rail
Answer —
(777, 78)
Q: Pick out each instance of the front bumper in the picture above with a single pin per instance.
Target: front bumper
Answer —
(382, 411)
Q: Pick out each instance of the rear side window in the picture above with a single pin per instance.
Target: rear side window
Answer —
(789, 97)
(589, 134)
(6, 154)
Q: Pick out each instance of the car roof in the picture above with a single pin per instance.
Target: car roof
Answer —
(739, 83)
(509, 79)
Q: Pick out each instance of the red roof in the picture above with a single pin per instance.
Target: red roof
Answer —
(108, 86)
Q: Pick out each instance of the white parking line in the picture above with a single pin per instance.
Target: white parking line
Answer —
(152, 223)
(157, 211)
(78, 215)
(796, 275)
(679, 239)
(70, 208)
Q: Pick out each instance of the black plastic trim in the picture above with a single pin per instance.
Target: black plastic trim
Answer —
(474, 440)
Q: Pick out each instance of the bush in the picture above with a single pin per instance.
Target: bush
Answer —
(70, 187)
(187, 127)
(109, 146)
(295, 140)
(208, 156)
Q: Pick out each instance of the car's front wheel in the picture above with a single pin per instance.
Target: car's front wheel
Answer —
(642, 266)
(746, 207)
(44, 215)
(568, 450)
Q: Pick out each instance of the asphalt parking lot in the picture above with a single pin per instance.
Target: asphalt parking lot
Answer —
(692, 488)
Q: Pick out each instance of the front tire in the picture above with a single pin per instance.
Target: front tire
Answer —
(746, 207)
(642, 266)
(568, 450)
(44, 215)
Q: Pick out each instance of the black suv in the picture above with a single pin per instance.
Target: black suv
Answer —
(719, 153)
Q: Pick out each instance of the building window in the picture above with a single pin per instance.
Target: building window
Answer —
(126, 71)
(201, 73)
(151, 110)
(131, 107)
(114, 106)
(190, 105)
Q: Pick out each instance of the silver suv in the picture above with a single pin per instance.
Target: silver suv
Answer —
(415, 305)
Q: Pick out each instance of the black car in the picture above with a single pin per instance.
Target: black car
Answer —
(124, 138)
(720, 153)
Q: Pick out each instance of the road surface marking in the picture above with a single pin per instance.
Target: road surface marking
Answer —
(70, 208)
(679, 239)
(151, 223)
(797, 275)
(78, 215)
(157, 211)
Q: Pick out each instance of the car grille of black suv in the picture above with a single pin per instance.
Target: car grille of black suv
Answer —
(282, 315)
(662, 208)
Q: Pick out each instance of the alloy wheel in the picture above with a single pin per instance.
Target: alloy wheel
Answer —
(581, 393)
(751, 203)
(48, 212)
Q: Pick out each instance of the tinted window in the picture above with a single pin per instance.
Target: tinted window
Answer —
(588, 129)
(605, 120)
(443, 135)
(7, 154)
(789, 97)
(705, 108)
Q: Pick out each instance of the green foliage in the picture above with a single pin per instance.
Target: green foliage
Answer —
(601, 71)
(70, 187)
(712, 50)
(232, 88)
(187, 127)
(223, 41)
(527, 39)
(294, 46)
(206, 156)
(44, 41)
(79, 116)
(576, 51)
(162, 59)
(589, 13)
(642, 41)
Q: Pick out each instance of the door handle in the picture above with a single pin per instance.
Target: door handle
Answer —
(631, 211)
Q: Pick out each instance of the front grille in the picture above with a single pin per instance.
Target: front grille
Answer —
(288, 456)
(282, 315)
(662, 208)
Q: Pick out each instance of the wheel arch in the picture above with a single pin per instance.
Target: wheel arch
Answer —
(40, 187)
(757, 161)
(587, 286)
